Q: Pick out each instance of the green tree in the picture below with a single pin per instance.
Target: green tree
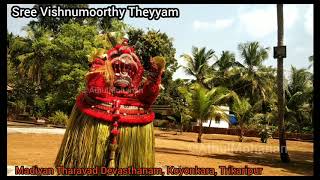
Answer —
(253, 80)
(198, 62)
(24, 89)
(226, 61)
(17, 46)
(152, 43)
(299, 97)
(265, 112)
(110, 35)
(36, 50)
(155, 43)
(11, 47)
(54, 24)
(65, 70)
(253, 55)
(311, 61)
(178, 102)
(217, 74)
(109, 27)
(204, 104)
(31, 63)
(241, 108)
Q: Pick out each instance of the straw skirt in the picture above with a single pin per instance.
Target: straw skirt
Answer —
(86, 144)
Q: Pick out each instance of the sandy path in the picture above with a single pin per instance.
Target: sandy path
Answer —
(35, 146)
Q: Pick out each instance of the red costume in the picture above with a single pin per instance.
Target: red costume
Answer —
(126, 95)
(113, 113)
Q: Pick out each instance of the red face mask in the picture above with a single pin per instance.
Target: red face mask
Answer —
(127, 69)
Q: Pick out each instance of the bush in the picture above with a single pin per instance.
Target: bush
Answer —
(39, 107)
(59, 118)
(266, 133)
(163, 124)
(20, 106)
(307, 129)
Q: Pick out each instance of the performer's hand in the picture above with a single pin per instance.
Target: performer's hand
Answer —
(95, 79)
(97, 63)
(158, 64)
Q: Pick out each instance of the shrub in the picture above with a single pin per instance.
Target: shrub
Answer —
(266, 133)
(307, 129)
(39, 107)
(59, 118)
(20, 106)
(162, 124)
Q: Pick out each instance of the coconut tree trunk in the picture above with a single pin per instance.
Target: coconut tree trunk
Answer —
(181, 124)
(39, 77)
(241, 133)
(282, 141)
(200, 132)
(181, 128)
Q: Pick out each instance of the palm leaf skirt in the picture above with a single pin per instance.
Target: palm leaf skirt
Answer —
(86, 144)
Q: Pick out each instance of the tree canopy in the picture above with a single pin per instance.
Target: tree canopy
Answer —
(47, 67)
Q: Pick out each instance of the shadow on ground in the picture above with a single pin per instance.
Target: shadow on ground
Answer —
(168, 136)
(301, 162)
(246, 140)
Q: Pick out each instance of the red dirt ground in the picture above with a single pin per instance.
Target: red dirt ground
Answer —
(182, 150)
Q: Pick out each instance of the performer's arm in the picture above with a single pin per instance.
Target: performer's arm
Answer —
(151, 87)
(95, 81)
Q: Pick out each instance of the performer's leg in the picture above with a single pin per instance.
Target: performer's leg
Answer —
(85, 142)
(136, 146)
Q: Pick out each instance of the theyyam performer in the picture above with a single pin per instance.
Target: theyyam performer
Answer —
(111, 122)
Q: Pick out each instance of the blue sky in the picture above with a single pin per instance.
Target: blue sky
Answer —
(223, 27)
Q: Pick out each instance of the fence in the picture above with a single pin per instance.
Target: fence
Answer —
(251, 133)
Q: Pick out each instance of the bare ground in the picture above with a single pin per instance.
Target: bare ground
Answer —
(182, 150)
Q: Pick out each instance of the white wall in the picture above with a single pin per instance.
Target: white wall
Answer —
(222, 124)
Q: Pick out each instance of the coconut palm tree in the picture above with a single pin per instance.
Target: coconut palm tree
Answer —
(31, 63)
(226, 61)
(311, 62)
(300, 80)
(204, 103)
(242, 109)
(217, 73)
(198, 62)
(54, 24)
(253, 54)
(252, 79)
(299, 99)
(249, 79)
(281, 108)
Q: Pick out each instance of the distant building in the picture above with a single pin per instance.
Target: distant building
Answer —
(162, 111)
